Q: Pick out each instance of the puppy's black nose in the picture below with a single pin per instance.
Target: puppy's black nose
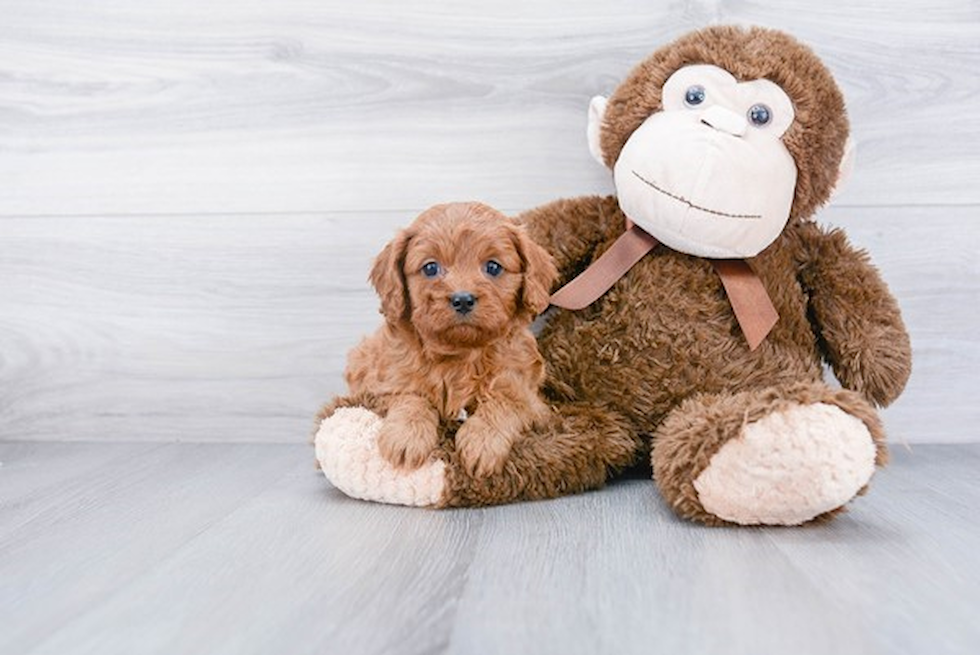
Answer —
(462, 302)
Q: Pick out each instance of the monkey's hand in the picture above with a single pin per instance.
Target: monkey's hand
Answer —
(857, 320)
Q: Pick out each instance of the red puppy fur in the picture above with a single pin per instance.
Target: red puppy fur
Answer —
(459, 288)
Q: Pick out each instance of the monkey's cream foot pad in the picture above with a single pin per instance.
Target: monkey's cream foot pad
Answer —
(347, 449)
(789, 467)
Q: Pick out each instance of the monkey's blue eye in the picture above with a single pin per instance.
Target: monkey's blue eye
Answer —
(493, 268)
(431, 269)
(760, 115)
(694, 95)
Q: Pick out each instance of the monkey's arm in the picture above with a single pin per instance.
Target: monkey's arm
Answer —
(861, 332)
(571, 229)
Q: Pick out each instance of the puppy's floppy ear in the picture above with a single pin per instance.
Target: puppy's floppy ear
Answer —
(539, 272)
(388, 278)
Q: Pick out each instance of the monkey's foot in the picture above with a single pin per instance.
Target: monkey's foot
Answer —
(777, 456)
(347, 450)
(789, 467)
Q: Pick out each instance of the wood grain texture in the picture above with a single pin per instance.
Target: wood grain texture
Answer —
(876, 582)
(193, 191)
(33, 482)
(245, 549)
(230, 106)
(235, 328)
(101, 530)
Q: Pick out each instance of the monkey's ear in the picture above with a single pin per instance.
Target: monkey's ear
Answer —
(846, 168)
(539, 274)
(597, 113)
(388, 278)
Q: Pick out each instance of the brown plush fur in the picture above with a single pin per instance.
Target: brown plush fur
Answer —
(660, 361)
(692, 433)
(569, 452)
(429, 362)
(663, 341)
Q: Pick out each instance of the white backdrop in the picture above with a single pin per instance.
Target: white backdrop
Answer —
(192, 192)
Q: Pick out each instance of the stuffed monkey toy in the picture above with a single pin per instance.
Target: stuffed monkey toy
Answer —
(697, 308)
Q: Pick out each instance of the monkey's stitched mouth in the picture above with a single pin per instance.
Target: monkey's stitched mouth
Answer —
(691, 204)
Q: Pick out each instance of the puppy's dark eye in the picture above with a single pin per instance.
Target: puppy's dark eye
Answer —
(493, 268)
(431, 269)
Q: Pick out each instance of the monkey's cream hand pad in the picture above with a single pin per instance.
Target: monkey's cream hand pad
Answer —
(347, 449)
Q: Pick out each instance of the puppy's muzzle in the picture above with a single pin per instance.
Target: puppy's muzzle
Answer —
(463, 302)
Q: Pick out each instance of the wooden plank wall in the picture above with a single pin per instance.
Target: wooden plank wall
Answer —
(192, 191)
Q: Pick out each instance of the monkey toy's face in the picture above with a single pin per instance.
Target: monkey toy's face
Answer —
(708, 175)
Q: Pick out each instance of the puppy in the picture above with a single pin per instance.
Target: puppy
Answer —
(459, 288)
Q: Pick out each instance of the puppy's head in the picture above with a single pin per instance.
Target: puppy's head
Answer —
(461, 275)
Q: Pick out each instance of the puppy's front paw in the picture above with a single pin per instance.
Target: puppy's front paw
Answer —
(482, 450)
(407, 444)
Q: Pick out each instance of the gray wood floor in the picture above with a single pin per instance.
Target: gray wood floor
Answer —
(244, 548)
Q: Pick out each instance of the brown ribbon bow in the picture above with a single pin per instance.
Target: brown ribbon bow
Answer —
(750, 301)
